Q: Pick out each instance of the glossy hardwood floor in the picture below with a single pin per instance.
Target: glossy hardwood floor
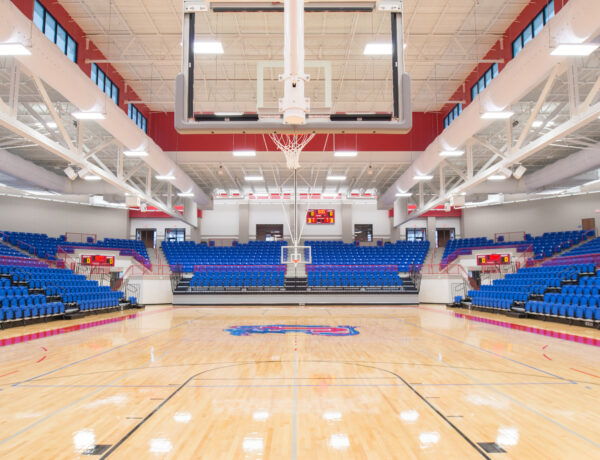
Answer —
(414, 383)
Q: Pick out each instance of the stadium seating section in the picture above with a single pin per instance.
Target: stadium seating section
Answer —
(185, 256)
(404, 254)
(45, 247)
(360, 276)
(546, 245)
(564, 291)
(240, 277)
(28, 292)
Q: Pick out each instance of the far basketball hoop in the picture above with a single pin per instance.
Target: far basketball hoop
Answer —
(296, 255)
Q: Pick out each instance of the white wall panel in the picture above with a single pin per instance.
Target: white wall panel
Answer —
(54, 219)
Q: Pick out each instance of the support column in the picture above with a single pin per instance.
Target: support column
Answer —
(431, 229)
(347, 230)
(190, 213)
(243, 222)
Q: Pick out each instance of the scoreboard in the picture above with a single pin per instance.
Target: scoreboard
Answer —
(493, 259)
(320, 216)
(98, 260)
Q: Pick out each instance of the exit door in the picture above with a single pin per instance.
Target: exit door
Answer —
(443, 235)
(588, 224)
(147, 235)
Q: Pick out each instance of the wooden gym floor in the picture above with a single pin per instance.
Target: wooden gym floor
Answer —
(413, 383)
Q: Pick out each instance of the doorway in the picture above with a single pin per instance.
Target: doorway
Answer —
(363, 232)
(147, 235)
(269, 232)
(415, 234)
(174, 235)
(588, 224)
(442, 236)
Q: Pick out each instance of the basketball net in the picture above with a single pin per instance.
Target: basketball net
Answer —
(291, 145)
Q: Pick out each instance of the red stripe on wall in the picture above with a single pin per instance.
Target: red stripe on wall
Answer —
(426, 127)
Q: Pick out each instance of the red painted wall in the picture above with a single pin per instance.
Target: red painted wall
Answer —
(426, 127)
(89, 51)
(502, 49)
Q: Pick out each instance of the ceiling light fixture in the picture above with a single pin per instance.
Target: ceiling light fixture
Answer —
(254, 178)
(336, 178)
(574, 49)
(92, 177)
(423, 177)
(501, 115)
(185, 194)
(244, 153)
(452, 153)
(89, 115)
(495, 177)
(378, 49)
(208, 47)
(403, 194)
(14, 49)
(165, 177)
(135, 153)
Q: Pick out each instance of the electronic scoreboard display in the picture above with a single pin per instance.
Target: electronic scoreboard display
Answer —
(493, 259)
(98, 260)
(320, 216)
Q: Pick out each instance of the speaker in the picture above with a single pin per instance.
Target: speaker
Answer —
(70, 173)
(132, 201)
(519, 172)
(458, 201)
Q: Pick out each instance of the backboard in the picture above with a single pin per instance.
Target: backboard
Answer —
(296, 255)
(234, 68)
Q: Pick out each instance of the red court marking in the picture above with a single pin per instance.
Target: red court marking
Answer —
(76, 327)
(519, 327)
(544, 347)
(547, 357)
(586, 373)
(10, 373)
(41, 359)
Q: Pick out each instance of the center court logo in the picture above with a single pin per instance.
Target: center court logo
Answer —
(336, 331)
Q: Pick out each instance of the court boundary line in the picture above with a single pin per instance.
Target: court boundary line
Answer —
(185, 384)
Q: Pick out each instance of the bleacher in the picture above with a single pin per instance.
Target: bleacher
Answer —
(359, 276)
(29, 292)
(186, 255)
(560, 292)
(45, 247)
(403, 254)
(249, 277)
(543, 246)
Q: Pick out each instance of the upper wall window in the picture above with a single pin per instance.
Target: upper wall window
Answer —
(138, 118)
(484, 81)
(54, 31)
(454, 113)
(533, 28)
(104, 83)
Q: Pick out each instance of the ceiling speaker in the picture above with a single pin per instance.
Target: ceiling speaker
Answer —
(519, 172)
(70, 173)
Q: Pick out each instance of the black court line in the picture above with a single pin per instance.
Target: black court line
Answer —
(442, 416)
(184, 384)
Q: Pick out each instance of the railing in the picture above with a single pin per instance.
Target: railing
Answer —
(573, 260)
(374, 267)
(21, 262)
(522, 247)
(224, 268)
(70, 249)
(157, 270)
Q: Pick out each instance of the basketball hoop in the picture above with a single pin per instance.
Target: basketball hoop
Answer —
(291, 145)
